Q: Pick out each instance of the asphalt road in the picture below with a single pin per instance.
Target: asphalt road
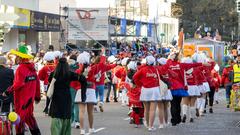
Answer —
(114, 121)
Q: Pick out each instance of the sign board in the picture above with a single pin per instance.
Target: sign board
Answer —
(85, 22)
(24, 18)
(45, 22)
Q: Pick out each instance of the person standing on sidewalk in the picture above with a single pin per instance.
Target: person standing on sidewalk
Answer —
(6, 79)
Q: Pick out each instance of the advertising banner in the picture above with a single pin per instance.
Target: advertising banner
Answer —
(208, 49)
(88, 24)
(188, 50)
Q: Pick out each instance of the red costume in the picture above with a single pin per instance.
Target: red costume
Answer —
(26, 88)
(44, 73)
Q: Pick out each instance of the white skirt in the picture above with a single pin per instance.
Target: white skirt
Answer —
(90, 96)
(193, 90)
(205, 87)
(153, 94)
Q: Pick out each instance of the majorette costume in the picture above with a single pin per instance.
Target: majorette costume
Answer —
(26, 89)
(147, 78)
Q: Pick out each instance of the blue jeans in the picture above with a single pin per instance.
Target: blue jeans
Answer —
(228, 93)
(100, 92)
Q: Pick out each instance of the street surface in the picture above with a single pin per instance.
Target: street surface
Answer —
(114, 121)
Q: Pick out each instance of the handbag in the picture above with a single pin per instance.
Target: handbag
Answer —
(163, 88)
(51, 88)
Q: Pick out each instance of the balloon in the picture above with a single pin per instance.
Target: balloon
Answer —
(12, 116)
(17, 121)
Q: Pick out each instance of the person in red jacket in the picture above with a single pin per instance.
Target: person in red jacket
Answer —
(148, 79)
(188, 103)
(226, 82)
(26, 89)
(44, 73)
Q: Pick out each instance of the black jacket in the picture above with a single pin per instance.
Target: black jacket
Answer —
(6, 80)
(61, 100)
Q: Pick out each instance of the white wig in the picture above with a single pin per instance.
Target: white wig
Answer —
(49, 56)
(162, 61)
(111, 59)
(150, 60)
(132, 65)
(83, 58)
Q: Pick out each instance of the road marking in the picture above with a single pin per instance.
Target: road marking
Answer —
(97, 130)
(127, 118)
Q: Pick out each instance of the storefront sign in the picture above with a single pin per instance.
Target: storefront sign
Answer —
(24, 18)
(45, 22)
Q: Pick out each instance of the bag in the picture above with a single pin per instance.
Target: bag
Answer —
(163, 86)
(51, 88)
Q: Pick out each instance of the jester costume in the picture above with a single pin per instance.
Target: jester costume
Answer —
(26, 90)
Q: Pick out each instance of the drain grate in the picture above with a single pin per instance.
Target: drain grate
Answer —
(237, 124)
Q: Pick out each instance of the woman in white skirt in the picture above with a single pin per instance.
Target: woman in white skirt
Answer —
(86, 99)
(188, 103)
(202, 74)
(163, 105)
(147, 78)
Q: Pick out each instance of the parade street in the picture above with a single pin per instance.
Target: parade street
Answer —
(114, 121)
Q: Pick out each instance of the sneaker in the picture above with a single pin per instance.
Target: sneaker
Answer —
(115, 100)
(91, 130)
(197, 112)
(210, 110)
(82, 132)
(161, 126)
(73, 125)
(204, 111)
(228, 106)
(184, 118)
(101, 107)
(152, 129)
(107, 100)
(77, 125)
(191, 120)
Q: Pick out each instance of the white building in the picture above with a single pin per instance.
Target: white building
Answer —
(160, 13)
(19, 34)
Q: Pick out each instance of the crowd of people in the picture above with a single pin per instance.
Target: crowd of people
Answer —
(75, 82)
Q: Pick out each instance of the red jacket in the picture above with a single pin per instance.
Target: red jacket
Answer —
(121, 73)
(225, 75)
(200, 78)
(101, 68)
(44, 73)
(147, 76)
(76, 84)
(179, 81)
(26, 87)
(216, 79)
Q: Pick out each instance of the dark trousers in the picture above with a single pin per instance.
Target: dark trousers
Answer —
(109, 86)
(228, 93)
(211, 96)
(47, 105)
(176, 109)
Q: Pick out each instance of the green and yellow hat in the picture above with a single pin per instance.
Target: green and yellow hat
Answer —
(22, 52)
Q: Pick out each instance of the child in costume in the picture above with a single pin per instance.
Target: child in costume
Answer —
(133, 94)
(26, 89)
